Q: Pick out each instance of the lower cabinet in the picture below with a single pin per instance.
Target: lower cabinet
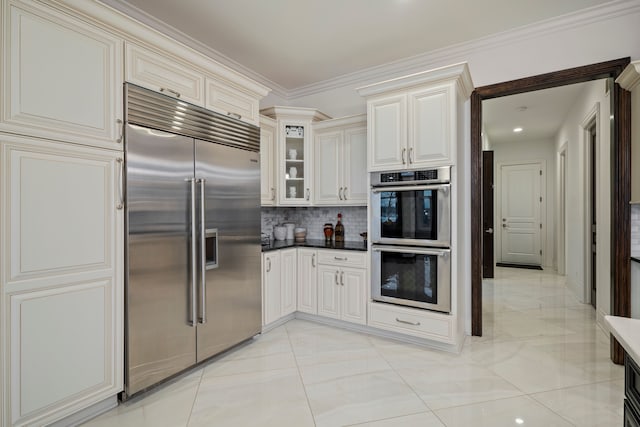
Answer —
(308, 280)
(420, 323)
(342, 293)
(279, 282)
(61, 281)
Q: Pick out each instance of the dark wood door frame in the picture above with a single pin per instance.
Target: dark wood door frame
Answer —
(487, 215)
(620, 181)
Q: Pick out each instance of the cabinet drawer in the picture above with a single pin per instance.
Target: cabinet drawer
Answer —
(343, 258)
(229, 101)
(419, 323)
(164, 74)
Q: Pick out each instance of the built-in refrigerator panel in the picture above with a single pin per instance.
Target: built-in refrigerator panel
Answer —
(232, 302)
(161, 339)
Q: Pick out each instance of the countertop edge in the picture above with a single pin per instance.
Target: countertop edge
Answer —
(627, 332)
(315, 244)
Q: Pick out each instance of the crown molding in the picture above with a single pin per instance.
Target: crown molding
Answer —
(454, 52)
(390, 70)
(458, 73)
(629, 79)
(162, 27)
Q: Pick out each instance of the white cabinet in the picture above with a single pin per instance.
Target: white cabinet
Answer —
(231, 101)
(62, 78)
(61, 283)
(307, 281)
(340, 148)
(271, 289)
(342, 285)
(279, 282)
(164, 73)
(294, 152)
(289, 280)
(267, 161)
(413, 120)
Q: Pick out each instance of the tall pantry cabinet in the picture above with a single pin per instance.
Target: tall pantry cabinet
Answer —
(61, 216)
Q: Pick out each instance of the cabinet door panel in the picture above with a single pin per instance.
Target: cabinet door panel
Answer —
(329, 291)
(289, 281)
(63, 78)
(164, 74)
(227, 100)
(307, 281)
(355, 166)
(327, 158)
(62, 345)
(272, 304)
(430, 142)
(267, 165)
(62, 215)
(387, 133)
(354, 300)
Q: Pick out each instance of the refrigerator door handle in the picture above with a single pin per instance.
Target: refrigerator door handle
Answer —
(203, 254)
(194, 251)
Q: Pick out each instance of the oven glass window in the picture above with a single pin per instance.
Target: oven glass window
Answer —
(409, 214)
(409, 276)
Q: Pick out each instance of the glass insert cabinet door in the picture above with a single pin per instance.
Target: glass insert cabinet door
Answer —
(295, 173)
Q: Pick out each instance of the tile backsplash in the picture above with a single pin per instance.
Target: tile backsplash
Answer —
(635, 229)
(354, 219)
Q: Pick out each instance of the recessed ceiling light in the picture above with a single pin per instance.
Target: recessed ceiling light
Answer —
(516, 130)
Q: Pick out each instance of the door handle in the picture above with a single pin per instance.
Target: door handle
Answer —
(164, 89)
(313, 260)
(194, 250)
(504, 225)
(489, 230)
(344, 193)
(404, 150)
(268, 265)
(407, 322)
(308, 194)
(336, 278)
(120, 203)
(273, 193)
(121, 137)
(340, 193)
(203, 254)
(342, 278)
(411, 155)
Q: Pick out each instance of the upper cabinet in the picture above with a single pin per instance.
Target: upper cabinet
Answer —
(164, 73)
(629, 79)
(413, 120)
(340, 170)
(294, 153)
(267, 161)
(62, 78)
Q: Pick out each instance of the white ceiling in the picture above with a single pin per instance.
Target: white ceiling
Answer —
(295, 43)
(544, 113)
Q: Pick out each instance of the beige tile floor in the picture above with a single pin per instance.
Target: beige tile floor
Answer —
(541, 362)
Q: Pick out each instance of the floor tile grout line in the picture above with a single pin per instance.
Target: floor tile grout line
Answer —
(195, 397)
(304, 387)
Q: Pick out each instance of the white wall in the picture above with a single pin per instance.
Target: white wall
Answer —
(530, 150)
(525, 52)
(573, 134)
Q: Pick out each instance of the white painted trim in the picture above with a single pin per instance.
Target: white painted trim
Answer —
(561, 188)
(498, 206)
(87, 414)
(593, 116)
(629, 79)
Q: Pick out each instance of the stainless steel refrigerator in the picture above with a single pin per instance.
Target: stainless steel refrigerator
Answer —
(193, 236)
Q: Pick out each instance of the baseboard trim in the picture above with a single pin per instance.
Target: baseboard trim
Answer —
(527, 266)
(86, 414)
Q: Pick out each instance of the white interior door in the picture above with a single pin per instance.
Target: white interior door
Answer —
(520, 213)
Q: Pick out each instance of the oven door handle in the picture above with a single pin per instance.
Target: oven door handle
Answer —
(411, 250)
(444, 187)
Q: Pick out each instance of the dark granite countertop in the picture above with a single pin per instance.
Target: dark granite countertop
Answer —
(635, 258)
(311, 243)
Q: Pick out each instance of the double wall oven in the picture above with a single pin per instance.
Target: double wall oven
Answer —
(411, 238)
